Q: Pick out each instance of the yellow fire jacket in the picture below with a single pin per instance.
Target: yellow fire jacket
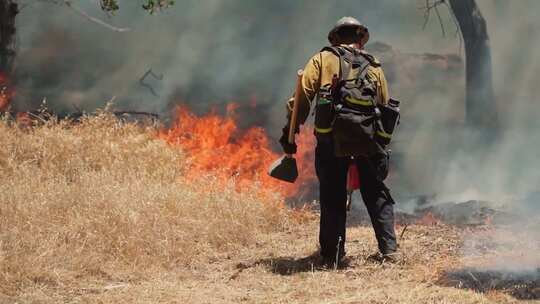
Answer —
(319, 72)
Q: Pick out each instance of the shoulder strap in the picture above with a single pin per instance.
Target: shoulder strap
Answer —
(344, 59)
(350, 58)
(332, 49)
(372, 60)
(364, 60)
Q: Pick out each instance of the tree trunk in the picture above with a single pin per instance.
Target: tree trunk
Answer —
(8, 12)
(480, 102)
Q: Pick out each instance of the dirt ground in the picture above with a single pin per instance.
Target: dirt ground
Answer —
(282, 268)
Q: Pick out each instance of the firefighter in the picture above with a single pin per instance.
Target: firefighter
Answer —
(345, 58)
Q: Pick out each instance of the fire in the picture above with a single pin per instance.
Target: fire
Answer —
(428, 219)
(488, 220)
(6, 93)
(215, 144)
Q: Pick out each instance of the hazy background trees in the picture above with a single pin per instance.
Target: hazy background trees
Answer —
(9, 9)
(214, 52)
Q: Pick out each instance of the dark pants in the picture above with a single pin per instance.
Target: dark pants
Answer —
(332, 174)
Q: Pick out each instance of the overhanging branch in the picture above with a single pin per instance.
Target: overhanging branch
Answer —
(93, 19)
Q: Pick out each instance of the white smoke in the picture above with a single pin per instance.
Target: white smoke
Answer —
(213, 52)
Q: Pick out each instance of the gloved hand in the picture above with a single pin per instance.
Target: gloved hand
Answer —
(288, 148)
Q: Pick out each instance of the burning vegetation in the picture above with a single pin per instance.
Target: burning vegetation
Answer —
(6, 93)
(216, 144)
(102, 208)
(102, 200)
(96, 204)
(106, 210)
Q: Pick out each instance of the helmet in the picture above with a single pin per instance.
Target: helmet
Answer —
(348, 30)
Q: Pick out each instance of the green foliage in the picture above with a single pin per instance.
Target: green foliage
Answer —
(109, 5)
(155, 5)
(151, 6)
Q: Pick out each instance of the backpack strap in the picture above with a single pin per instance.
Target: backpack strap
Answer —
(350, 58)
(372, 60)
(344, 56)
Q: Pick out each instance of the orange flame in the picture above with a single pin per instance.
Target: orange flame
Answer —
(6, 93)
(24, 120)
(488, 220)
(216, 144)
(428, 219)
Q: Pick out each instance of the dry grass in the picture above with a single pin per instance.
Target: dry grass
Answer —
(102, 212)
(105, 201)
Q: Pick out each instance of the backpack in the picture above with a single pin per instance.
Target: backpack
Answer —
(347, 111)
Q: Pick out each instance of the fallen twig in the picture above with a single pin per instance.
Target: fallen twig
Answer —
(403, 231)
(136, 113)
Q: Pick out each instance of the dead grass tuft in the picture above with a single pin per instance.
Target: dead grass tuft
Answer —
(103, 212)
(106, 201)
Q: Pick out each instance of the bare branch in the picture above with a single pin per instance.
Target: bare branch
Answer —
(440, 21)
(403, 232)
(94, 19)
(427, 13)
(146, 85)
(457, 26)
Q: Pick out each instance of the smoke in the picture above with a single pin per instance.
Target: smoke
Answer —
(209, 52)
(508, 249)
(453, 162)
(445, 158)
(214, 52)
(501, 258)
